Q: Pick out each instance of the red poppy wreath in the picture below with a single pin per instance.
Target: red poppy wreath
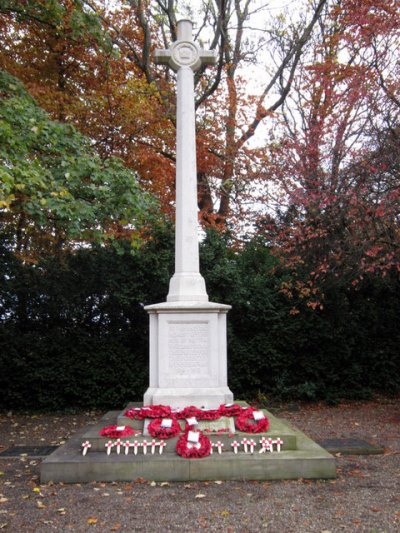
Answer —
(112, 432)
(189, 411)
(230, 409)
(209, 414)
(149, 411)
(248, 424)
(191, 450)
(157, 430)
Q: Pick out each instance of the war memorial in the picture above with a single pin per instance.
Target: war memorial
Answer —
(189, 427)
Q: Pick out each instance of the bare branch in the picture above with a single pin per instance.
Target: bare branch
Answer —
(295, 54)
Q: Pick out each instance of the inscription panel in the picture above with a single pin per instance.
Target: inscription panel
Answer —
(188, 348)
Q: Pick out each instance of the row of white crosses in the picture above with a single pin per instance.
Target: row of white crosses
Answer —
(126, 445)
(249, 445)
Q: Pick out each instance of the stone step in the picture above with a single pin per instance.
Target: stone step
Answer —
(67, 464)
(96, 466)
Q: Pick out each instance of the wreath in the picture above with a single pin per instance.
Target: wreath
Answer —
(245, 422)
(188, 412)
(209, 414)
(132, 413)
(200, 414)
(189, 450)
(230, 410)
(158, 431)
(111, 432)
(154, 411)
(150, 411)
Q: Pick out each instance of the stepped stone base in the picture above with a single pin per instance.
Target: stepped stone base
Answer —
(300, 458)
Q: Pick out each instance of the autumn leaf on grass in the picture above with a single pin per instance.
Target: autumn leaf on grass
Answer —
(40, 505)
(200, 495)
(92, 520)
(3, 499)
(116, 527)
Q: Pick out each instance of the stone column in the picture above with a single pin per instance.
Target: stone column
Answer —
(185, 57)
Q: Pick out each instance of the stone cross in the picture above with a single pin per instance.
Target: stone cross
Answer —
(184, 56)
(188, 359)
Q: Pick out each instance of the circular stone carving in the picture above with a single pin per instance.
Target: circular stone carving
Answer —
(185, 54)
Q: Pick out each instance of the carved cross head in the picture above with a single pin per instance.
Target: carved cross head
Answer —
(185, 52)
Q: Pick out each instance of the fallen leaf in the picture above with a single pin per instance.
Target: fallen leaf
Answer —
(92, 520)
(164, 484)
(3, 500)
(3, 525)
(153, 484)
(200, 495)
(40, 505)
(36, 489)
(116, 527)
(218, 482)
(225, 513)
(61, 510)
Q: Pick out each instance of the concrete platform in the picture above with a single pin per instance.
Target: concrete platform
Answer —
(300, 458)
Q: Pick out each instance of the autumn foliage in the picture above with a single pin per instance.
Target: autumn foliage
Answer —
(335, 162)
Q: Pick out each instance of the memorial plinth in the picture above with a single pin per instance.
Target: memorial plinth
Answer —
(188, 359)
(188, 355)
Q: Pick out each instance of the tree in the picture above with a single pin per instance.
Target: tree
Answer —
(128, 106)
(334, 158)
(54, 188)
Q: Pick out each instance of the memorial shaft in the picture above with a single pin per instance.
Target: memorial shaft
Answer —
(185, 57)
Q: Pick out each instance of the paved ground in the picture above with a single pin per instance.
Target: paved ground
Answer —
(365, 497)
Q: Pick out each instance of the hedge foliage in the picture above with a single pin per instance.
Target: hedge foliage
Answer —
(74, 333)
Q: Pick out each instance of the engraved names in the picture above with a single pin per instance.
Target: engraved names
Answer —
(188, 348)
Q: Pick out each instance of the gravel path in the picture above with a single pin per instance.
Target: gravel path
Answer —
(365, 497)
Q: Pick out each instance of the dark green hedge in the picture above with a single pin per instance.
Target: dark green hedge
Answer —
(73, 331)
